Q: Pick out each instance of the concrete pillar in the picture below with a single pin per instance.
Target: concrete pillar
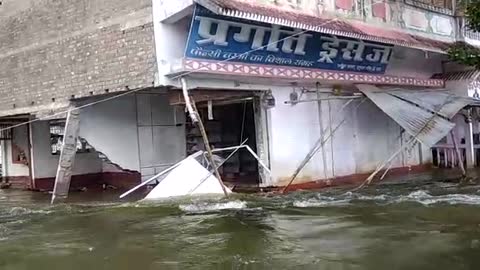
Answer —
(261, 127)
(3, 153)
(67, 157)
(470, 151)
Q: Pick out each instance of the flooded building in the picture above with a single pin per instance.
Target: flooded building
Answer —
(301, 63)
(92, 89)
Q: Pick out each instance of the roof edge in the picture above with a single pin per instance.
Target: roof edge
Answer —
(214, 7)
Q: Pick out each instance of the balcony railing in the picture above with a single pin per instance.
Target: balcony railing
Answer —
(467, 32)
(442, 6)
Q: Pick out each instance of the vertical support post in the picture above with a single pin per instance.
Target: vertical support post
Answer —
(459, 155)
(470, 151)
(67, 156)
(31, 162)
(322, 134)
(445, 154)
(3, 148)
(263, 146)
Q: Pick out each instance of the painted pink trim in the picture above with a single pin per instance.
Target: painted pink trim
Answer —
(279, 72)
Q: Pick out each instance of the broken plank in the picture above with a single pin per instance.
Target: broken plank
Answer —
(67, 156)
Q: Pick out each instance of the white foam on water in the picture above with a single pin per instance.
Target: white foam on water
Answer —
(423, 197)
(19, 211)
(212, 207)
(419, 196)
(382, 197)
(319, 203)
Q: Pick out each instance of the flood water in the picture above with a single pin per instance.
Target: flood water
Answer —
(395, 226)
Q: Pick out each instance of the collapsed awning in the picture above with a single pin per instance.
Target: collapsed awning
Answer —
(424, 115)
(334, 26)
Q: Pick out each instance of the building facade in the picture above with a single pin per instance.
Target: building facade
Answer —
(302, 54)
(276, 75)
(55, 53)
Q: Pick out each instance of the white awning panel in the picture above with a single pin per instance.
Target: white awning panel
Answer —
(419, 112)
(434, 100)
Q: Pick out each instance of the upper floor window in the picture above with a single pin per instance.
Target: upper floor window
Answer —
(443, 6)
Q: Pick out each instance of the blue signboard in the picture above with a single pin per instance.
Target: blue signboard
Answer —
(215, 37)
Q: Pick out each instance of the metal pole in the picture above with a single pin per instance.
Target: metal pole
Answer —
(322, 99)
(248, 149)
(470, 151)
(320, 119)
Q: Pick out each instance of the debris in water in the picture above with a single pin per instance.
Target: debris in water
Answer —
(194, 179)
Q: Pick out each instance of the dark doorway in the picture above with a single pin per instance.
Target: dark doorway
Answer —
(231, 124)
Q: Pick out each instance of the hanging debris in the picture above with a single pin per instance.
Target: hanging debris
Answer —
(425, 117)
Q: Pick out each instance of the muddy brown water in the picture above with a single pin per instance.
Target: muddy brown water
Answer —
(394, 226)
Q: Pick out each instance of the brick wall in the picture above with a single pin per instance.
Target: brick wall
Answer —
(53, 50)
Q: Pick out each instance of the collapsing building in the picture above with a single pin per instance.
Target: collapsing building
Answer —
(329, 87)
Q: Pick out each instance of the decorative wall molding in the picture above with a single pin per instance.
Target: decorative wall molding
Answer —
(291, 73)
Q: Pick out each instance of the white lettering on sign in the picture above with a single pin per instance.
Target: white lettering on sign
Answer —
(354, 50)
(380, 53)
(330, 51)
(216, 37)
(295, 41)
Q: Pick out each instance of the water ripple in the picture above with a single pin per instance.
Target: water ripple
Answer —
(202, 207)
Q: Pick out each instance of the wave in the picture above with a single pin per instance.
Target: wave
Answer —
(425, 198)
(20, 211)
(419, 196)
(212, 207)
(315, 203)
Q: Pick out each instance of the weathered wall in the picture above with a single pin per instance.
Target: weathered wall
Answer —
(111, 127)
(59, 49)
(171, 40)
(434, 21)
(367, 137)
(140, 132)
(161, 133)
